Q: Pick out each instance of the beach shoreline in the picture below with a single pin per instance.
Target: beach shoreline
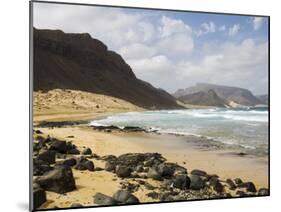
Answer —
(227, 164)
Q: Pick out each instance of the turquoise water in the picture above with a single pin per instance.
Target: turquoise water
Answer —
(245, 127)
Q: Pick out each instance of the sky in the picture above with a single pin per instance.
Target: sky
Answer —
(172, 50)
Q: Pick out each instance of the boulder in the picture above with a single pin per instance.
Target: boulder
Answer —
(123, 171)
(68, 162)
(59, 180)
(250, 187)
(196, 182)
(84, 164)
(74, 151)
(154, 174)
(166, 169)
(86, 151)
(198, 173)
(181, 181)
(231, 184)
(216, 184)
(40, 167)
(48, 156)
(39, 197)
(110, 166)
(58, 146)
(123, 196)
(263, 192)
(238, 181)
(102, 199)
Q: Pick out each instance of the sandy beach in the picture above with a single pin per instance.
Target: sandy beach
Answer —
(177, 149)
(223, 163)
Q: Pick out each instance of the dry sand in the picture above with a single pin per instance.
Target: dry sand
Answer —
(58, 104)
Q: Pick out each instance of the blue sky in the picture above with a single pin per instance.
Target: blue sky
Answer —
(173, 50)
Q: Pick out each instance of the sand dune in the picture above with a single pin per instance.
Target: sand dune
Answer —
(60, 104)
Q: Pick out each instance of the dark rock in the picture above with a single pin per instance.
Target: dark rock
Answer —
(263, 192)
(250, 187)
(73, 151)
(59, 180)
(58, 145)
(38, 132)
(76, 205)
(196, 182)
(130, 186)
(60, 156)
(238, 181)
(69, 162)
(133, 129)
(123, 171)
(84, 164)
(216, 185)
(139, 168)
(87, 151)
(39, 197)
(40, 167)
(154, 174)
(231, 184)
(102, 199)
(153, 195)
(110, 166)
(48, 156)
(148, 186)
(181, 182)
(199, 173)
(166, 170)
(125, 197)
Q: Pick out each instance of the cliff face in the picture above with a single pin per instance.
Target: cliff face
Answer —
(79, 62)
(238, 95)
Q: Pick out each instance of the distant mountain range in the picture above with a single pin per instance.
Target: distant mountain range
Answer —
(79, 62)
(209, 98)
(219, 95)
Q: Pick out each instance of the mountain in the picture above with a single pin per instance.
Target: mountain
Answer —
(77, 61)
(263, 98)
(209, 98)
(236, 95)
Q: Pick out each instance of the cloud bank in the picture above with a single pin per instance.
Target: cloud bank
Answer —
(168, 50)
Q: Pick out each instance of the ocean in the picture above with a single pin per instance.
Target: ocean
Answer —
(247, 127)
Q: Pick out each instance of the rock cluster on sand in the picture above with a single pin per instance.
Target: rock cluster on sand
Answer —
(53, 160)
(53, 164)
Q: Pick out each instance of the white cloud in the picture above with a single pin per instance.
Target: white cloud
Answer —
(170, 26)
(137, 51)
(243, 65)
(206, 28)
(234, 30)
(257, 22)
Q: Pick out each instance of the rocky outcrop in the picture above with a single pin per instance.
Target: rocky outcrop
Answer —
(80, 62)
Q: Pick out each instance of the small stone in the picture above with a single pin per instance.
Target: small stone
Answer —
(102, 199)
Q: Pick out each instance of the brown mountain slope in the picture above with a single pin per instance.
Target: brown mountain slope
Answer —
(238, 95)
(209, 98)
(79, 62)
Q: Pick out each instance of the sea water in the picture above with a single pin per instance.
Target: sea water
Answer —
(246, 127)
